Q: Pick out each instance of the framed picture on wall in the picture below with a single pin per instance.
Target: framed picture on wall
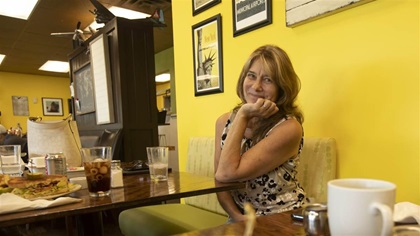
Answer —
(52, 106)
(202, 5)
(20, 105)
(208, 60)
(83, 98)
(249, 15)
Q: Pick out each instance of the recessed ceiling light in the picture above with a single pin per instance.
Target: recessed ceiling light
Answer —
(2, 58)
(21, 9)
(56, 66)
(163, 77)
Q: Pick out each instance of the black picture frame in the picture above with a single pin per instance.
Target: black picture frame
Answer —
(52, 106)
(208, 56)
(251, 17)
(202, 5)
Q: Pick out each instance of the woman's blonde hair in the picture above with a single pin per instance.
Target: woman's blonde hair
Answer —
(277, 64)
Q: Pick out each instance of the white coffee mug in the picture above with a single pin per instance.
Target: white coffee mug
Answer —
(360, 207)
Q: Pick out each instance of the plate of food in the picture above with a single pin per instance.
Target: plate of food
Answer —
(72, 188)
(38, 186)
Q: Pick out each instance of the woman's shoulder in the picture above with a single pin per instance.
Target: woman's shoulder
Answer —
(223, 118)
(292, 122)
(288, 124)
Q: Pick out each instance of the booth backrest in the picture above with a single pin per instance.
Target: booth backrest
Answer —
(317, 166)
(200, 160)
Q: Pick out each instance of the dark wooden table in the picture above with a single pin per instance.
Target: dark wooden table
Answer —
(276, 224)
(138, 190)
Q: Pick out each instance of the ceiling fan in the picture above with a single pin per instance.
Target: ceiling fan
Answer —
(78, 35)
(102, 15)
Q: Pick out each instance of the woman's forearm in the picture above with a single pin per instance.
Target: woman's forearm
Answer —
(227, 203)
(231, 154)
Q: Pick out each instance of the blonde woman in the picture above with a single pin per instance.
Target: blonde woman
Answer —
(259, 142)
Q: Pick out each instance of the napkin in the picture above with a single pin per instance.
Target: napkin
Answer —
(406, 212)
(13, 203)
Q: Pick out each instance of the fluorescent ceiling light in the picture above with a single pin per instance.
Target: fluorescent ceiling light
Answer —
(129, 14)
(2, 58)
(120, 12)
(21, 9)
(56, 66)
(163, 77)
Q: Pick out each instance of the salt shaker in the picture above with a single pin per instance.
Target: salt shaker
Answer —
(116, 174)
(315, 220)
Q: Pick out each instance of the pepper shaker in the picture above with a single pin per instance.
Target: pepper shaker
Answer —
(315, 220)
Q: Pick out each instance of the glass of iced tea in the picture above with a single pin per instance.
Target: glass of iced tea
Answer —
(97, 164)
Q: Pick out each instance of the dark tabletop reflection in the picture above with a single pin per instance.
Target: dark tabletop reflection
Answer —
(138, 190)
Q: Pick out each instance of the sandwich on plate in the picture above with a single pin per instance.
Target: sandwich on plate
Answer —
(45, 185)
(4, 187)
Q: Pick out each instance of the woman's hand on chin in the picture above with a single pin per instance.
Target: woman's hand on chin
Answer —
(262, 108)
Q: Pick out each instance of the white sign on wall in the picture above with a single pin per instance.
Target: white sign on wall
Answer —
(302, 11)
(102, 83)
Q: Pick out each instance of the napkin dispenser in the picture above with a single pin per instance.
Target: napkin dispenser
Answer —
(79, 180)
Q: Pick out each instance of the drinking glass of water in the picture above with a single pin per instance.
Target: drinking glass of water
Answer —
(158, 163)
(10, 160)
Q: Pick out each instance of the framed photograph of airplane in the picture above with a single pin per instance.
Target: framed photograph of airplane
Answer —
(208, 60)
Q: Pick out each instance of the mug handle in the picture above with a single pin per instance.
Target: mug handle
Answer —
(386, 212)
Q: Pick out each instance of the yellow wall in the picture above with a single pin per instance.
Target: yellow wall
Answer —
(360, 83)
(159, 99)
(34, 87)
(164, 63)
